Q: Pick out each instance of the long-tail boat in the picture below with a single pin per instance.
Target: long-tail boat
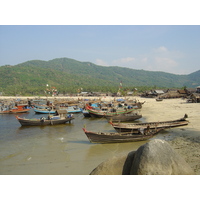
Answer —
(100, 113)
(124, 117)
(107, 137)
(134, 127)
(50, 120)
(16, 109)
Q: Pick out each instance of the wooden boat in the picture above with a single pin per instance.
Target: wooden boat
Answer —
(16, 109)
(159, 99)
(86, 113)
(70, 109)
(44, 111)
(134, 127)
(51, 120)
(124, 117)
(102, 137)
(73, 109)
(37, 106)
(99, 113)
(137, 105)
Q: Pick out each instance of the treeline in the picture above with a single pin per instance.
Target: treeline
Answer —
(68, 76)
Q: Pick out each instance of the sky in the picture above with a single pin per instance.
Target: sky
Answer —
(133, 34)
(169, 48)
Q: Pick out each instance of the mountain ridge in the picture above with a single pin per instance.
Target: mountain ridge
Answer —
(69, 75)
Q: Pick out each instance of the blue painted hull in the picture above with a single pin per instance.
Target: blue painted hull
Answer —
(43, 111)
(74, 110)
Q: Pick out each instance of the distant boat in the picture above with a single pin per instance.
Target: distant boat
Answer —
(51, 120)
(37, 106)
(134, 127)
(73, 109)
(99, 113)
(102, 137)
(86, 113)
(14, 110)
(124, 117)
(70, 109)
(44, 111)
(159, 99)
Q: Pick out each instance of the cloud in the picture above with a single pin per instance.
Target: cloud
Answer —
(163, 59)
(128, 59)
(156, 59)
(165, 64)
(144, 60)
(161, 49)
(124, 61)
(101, 62)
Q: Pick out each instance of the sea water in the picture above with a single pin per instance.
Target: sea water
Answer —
(54, 150)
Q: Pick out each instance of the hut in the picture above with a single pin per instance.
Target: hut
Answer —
(158, 92)
(194, 98)
(153, 93)
(191, 90)
(182, 93)
(198, 89)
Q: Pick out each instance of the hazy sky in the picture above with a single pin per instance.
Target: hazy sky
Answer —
(174, 49)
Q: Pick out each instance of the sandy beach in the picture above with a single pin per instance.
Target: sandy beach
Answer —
(185, 140)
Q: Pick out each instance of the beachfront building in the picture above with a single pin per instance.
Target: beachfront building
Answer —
(198, 89)
(195, 97)
(153, 93)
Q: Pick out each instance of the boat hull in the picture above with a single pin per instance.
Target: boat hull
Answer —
(43, 122)
(14, 111)
(127, 127)
(101, 137)
(74, 111)
(124, 117)
(100, 114)
(44, 111)
(86, 113)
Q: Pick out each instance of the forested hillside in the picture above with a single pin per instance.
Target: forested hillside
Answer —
(68, 75)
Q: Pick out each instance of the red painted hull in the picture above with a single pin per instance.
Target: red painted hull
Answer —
(13, 111)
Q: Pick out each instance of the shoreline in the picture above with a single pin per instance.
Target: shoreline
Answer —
(108, 98)
(185, 140)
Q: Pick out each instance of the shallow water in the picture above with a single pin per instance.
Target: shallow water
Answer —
(60, 149)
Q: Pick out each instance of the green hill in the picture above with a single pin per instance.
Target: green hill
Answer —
(68, 75)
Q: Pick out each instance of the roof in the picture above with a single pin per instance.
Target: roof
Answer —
(182, 91)
(159, 91)
(196, 95)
